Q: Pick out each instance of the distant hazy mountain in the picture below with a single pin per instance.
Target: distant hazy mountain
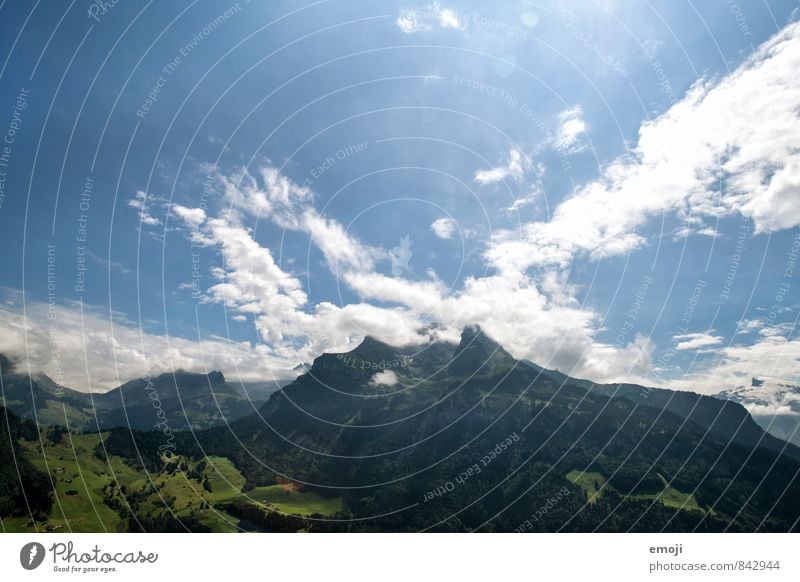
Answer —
(773, 404)
(717, 413)
(178, 400)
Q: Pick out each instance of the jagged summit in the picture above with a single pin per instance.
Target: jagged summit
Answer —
(478, 353)
(374, 349)
(474, 350)
(473, 337)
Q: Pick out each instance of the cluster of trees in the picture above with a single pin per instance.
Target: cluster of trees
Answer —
(24, 490)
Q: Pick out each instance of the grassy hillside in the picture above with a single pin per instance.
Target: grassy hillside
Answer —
(594, 485)
(95, 492)
(288, 498)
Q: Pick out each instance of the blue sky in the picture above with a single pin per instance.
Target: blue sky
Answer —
(610, 188)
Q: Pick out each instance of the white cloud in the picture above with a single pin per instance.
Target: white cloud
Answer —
(524, 201)
(434, 15)
(192, 216)
(777, 330)
(518, 163)
(742, 126)
(409, 21)
(693, 341)
(776, 357)
(422, 296)
(776, 206)
(491, 176)
(400, 256)
(444, 227)
(384, 378)
(139, 202)
(341, 250)
(449, 18)
(270, 194)
(747, 326)
(252, 283)
(571, 127)
(65, 345)
(108, 265)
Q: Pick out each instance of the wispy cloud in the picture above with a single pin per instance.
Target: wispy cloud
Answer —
(109, 265)
(141, 202)
(693, 341)
(571, 129)
(515, 168)
(740, 129)
(529, 199)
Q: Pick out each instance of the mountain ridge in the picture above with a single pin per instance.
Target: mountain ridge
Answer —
(186, 399)
(463, 437)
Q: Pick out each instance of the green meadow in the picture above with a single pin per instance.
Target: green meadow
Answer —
(92, 495)
(290, 499)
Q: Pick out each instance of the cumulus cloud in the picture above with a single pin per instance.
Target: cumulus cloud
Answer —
(741, 127)
(444, 227)
(384, 378)
(192, 216)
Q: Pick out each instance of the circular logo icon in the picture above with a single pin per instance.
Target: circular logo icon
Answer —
(31, 555)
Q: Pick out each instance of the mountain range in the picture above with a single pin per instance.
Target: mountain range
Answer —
(440, 437)
(182, 400)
